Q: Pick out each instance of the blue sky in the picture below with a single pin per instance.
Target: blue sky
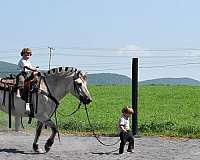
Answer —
(103, 35)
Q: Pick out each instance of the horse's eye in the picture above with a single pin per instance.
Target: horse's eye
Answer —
(79, 84)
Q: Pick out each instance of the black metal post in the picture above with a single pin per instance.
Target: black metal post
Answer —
(135, 95)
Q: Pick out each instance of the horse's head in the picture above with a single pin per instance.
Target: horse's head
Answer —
(80, 87)
(64, 80)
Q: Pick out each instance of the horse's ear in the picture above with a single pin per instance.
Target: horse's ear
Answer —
(84, 76)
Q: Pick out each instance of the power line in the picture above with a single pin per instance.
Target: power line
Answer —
(12, 50)
(136, 50)
(171, 65)
(108, 49)
(110, 56)
(121, 68)
(110, 69)
(90, 55)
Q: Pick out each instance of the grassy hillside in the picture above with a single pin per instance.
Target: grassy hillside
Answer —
(7, 69)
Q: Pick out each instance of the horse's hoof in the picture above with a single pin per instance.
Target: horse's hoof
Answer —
(48, 145)
(40, 151)
(47, 148)
(37, 149)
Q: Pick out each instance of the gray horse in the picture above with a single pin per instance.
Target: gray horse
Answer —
(53, 86)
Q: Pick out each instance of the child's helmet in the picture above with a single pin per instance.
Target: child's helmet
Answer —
(26, 50)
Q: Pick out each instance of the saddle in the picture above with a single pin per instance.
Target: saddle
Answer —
(8, 82)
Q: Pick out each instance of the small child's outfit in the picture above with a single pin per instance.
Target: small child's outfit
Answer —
(125, 136)
(22, 76)
(23, 71)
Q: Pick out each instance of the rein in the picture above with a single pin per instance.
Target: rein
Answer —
(76, 88)
(66, 115)
(93, 131)
(49, 92)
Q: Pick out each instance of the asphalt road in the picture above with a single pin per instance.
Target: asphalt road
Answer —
(18, 146)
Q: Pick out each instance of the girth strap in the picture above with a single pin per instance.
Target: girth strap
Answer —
(4, 95)
(10, 103)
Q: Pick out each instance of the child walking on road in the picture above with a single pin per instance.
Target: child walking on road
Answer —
(125, 133)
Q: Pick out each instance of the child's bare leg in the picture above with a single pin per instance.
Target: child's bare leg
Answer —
(18, 93)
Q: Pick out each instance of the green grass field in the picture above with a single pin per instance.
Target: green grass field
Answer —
(170, 110)
(162, 110)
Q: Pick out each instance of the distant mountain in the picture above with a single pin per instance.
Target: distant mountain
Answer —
(7, 68)
(102, 78)
(108, 78)
(172, 81)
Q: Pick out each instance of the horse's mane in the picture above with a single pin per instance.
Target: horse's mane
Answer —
(61, 70)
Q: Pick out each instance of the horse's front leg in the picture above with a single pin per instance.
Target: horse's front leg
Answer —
(37, 135)
(17, 123)
(54, 130)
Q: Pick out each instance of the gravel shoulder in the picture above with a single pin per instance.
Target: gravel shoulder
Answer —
(18, 146)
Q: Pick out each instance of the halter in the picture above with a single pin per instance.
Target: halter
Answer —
(78, 89)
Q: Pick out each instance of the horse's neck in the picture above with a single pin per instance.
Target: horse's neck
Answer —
(58, 86)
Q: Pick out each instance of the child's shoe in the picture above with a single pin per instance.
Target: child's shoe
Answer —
(130, 150)
(27, 107)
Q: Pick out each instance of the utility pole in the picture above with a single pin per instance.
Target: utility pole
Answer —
(50, 53)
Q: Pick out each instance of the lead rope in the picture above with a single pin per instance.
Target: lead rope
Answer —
(64, 115)
(94, 134)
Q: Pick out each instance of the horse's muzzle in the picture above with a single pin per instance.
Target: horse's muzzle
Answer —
(85, 100)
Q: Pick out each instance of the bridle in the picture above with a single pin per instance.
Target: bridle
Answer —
(78, 89)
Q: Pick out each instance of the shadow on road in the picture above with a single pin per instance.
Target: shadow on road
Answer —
(107, 153)
(11, 150)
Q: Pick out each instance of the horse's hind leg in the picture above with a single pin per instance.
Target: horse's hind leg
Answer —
(54, 129)
(37, 135)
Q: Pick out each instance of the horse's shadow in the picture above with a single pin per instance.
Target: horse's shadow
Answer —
(13, 150)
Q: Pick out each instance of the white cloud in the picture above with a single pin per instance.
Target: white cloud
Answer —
(130, 50)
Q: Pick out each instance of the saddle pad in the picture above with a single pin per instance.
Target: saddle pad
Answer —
(7, 82)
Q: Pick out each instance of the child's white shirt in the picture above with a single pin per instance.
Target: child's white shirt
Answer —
(22, 63)
(124, 121)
